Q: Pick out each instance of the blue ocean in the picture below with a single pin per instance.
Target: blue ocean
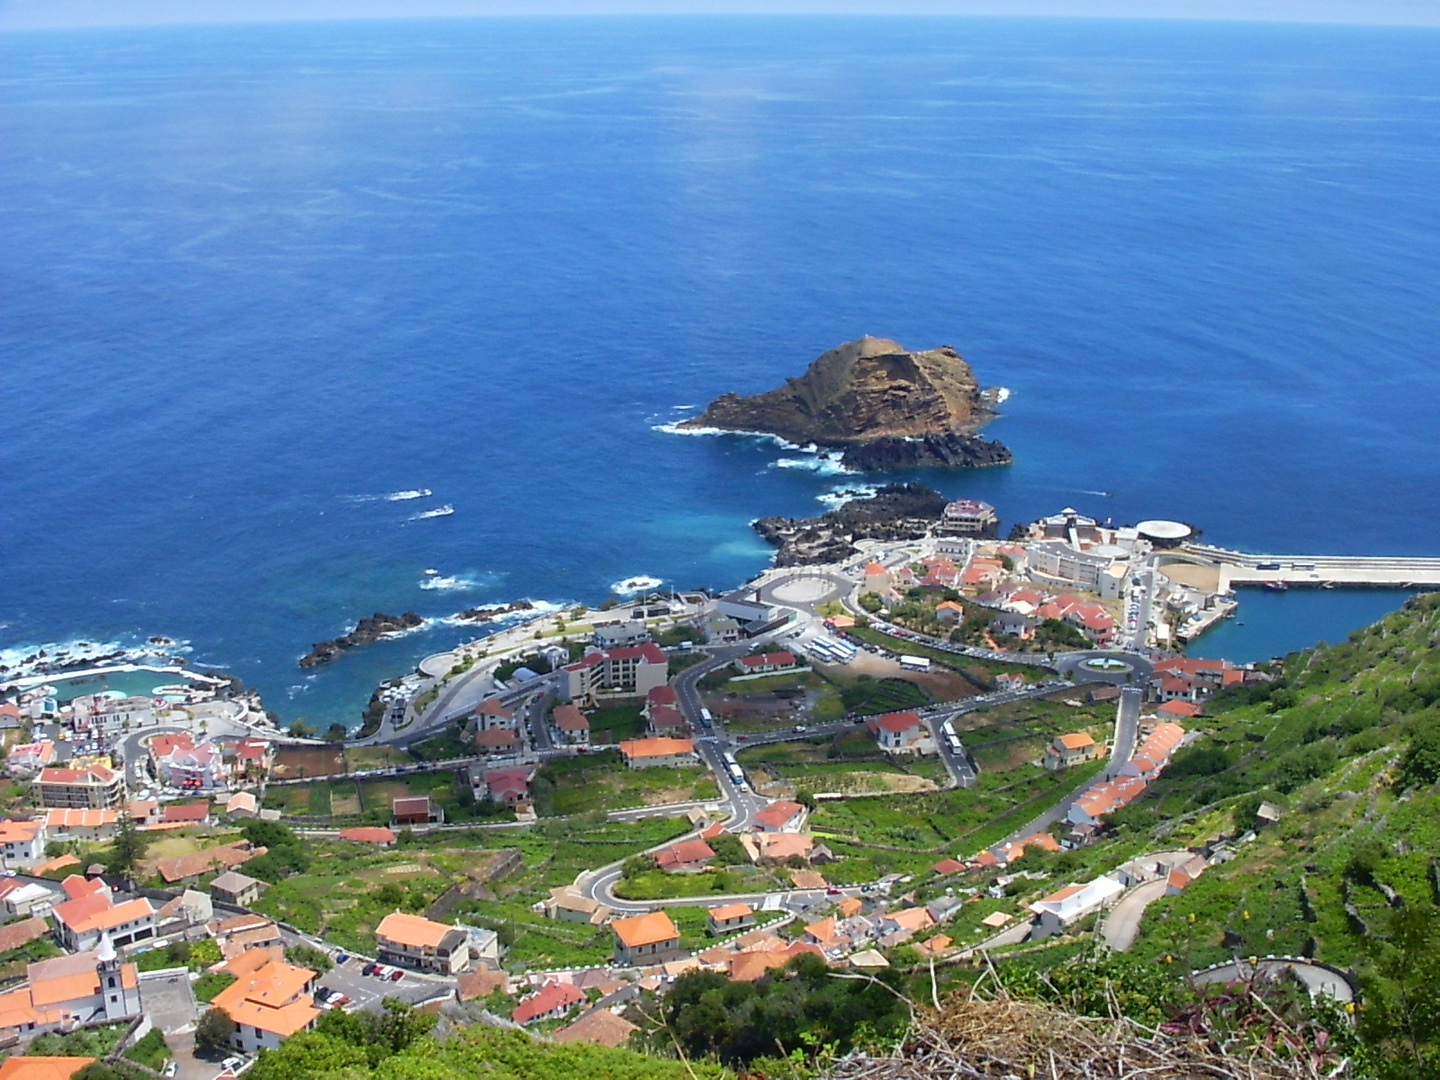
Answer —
(271, 296)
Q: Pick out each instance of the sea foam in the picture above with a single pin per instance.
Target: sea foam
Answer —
(443, 583)
(632, 585)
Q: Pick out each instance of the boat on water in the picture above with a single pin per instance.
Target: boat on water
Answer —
(1275, 586)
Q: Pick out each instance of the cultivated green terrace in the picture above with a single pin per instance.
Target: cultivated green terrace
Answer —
(1346, 745)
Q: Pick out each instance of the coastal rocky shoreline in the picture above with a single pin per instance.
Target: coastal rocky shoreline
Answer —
(881, 406)
(490, 614)
(894, 512)
(371, 628)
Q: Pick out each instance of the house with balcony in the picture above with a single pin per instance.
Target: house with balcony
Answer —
(92, 788)
(415, 942)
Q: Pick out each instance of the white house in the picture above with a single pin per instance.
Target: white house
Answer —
(1072, 903)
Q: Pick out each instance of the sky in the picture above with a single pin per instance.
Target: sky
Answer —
(34, 14)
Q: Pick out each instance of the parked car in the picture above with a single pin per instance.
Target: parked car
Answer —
(169, 1069)
(232, 1063)
(396, 974)
(371, 968)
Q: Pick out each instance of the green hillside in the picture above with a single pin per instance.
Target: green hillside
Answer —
(1346, 741)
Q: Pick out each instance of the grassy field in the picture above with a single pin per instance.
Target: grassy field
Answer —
(375, 757)
(810, 766)
(616, 723)
(982, 671)
(954, 822)
(598, 782)
(347, 892)
(659, 885)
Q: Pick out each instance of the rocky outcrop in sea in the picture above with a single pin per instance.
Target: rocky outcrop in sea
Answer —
(371, 628)
(883, 406)
(894, 512)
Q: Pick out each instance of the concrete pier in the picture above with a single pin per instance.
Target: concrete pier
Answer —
(1346, 571)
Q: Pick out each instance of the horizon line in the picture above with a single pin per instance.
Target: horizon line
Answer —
(22, 16)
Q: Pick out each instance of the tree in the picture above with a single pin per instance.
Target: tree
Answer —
(308, 956)
(212, 1033)
(336, 733)
(128, 848)
(1420, 764)
(1400, 1023)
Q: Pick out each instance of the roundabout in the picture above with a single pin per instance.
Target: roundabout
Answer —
(805, 590)
(1107, 665)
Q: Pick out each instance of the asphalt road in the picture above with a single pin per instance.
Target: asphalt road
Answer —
(1127, 729)
(1317, 979)
(1122, 925)
(1127, 715)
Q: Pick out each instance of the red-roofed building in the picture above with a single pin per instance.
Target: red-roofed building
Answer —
(253, 758)
(197, 813)
(497, 742)
(897, 732)
(940, 574)
(27, 759)
(1170, 687)
(662, 695)
(948, 866)
(365, 834)
(657, 752)
(1154, 753)
(949, 611)
(510, 787)
(729, 918)
(765, 663)
(180, 761)
(550, 1002)
(572, 725)
(491, 714)
(664, 720)
(415, 810)
(1181, 709)
(686, 857)
(625, 672)
(781, 816)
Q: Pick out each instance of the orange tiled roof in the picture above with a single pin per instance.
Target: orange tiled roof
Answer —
(412, 930)
(111, 916)
(270, 995)
(650, 929)
(13, 831)
(731, 911)
(26, 1067)
(778, 814)
(660, 746)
